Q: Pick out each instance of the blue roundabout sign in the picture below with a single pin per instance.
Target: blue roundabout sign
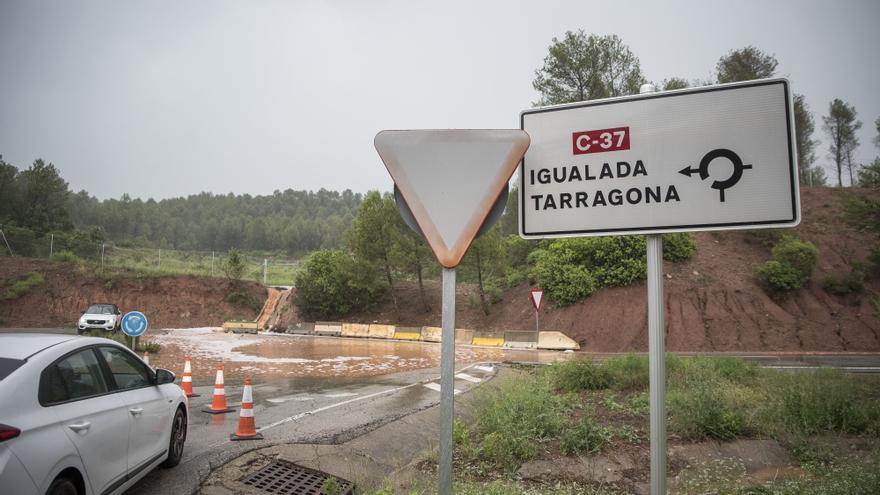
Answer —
(134, 324)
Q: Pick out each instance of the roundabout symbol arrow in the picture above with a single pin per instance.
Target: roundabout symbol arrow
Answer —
(703, 169)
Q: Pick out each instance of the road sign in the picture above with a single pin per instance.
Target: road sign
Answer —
(711, 158)
(450, 179)
(134, 324)
(537, 295)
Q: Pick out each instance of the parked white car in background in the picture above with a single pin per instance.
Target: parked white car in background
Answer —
(101, 316)
(83, 415)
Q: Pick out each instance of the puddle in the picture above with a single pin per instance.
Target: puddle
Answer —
(270, 357)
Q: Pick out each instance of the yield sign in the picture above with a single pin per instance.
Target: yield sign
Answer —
(450, 179)
(537, 295)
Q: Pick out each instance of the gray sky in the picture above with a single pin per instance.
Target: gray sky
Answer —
(162, 99)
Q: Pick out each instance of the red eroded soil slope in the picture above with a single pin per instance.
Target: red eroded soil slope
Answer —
(168, 302)
(713, 302)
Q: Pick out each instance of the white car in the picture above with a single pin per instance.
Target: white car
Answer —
(102, 316)
(83, 416)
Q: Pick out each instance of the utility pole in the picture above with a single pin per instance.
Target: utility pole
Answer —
(51, 244)
(265, 269)
(102, 255)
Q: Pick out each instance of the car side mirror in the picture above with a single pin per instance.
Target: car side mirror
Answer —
(164, 376)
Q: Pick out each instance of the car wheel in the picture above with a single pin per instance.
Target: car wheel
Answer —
(62, 486)
(178, 438)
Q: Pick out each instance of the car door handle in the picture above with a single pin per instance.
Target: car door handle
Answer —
(136, 411)
(80, 427)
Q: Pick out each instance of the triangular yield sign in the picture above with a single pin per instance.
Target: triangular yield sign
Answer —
(537, 294)
(450, 179)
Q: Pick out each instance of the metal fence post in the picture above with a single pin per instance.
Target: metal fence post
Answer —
(212, 263)
(102, 255)
(51, 244)
(265, 269)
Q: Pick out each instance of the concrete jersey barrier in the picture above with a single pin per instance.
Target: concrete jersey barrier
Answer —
(328, 328)
(381, 331)
(408, 333)
(355, 330)
(464, 336)
(556, 341)
(432, 334)
(520, 340)
(488, 341)
(301, 328)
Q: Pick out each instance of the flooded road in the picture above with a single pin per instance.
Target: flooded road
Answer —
(269, 357)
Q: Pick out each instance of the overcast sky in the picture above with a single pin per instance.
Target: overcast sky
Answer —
(162, 99)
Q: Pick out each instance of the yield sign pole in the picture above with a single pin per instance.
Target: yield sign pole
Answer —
(450, 179)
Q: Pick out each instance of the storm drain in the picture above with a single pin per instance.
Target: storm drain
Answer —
(289, 479)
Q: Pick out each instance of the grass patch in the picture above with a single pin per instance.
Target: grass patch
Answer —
(15, 288)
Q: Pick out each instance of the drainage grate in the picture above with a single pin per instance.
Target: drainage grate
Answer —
(290, 479)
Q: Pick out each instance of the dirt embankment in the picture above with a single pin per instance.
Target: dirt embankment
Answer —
(713, 302)
(168, 302)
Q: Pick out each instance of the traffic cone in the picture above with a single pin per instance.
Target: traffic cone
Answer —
(187, 381)
(218, 401)
(246, 428)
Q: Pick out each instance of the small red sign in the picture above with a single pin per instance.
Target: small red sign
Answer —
(537, 295)
(600, 141)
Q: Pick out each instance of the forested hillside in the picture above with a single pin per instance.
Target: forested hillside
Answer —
(38, 199)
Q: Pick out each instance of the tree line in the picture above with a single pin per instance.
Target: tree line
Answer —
(298, 222)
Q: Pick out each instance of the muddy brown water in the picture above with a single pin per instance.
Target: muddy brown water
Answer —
(266, 358)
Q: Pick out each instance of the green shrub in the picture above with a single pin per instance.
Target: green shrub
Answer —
(678, 247)
(331, 283)
(565, 282)
(629, 372)
(616, 260)
(577, 375)
(584, 437)
(331, 487)
(800, 255)
(698, 410)
(824, 400)
(841, 285)
(778, 276)
(15, 288)
(516, 415)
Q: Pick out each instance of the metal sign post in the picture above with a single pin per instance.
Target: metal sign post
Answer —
(656, 356)
(447, 185)
(134, 324)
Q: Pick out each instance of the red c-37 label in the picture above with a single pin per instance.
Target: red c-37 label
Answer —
(600, 141)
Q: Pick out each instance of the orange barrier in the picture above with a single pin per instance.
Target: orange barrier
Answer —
(247, 430)
(218, 401)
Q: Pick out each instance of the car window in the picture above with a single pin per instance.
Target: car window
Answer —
(127, 370)
(75, 377)
(8, 365)
(100, 309)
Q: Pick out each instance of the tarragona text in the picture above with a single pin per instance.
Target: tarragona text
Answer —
(601, 197)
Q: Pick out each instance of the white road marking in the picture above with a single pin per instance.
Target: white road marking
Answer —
(343, 394)
(332, 406)
(436, 387)
(472, 379)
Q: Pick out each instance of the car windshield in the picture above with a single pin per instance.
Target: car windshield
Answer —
(100, 309)
(8, 365)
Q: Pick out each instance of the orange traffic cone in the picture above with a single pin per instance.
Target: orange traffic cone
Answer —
(187, 381)
(218, 401)
(246, 428)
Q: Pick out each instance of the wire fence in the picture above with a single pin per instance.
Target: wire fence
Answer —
(266, 268)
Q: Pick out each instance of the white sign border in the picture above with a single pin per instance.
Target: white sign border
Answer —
(665, 229)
